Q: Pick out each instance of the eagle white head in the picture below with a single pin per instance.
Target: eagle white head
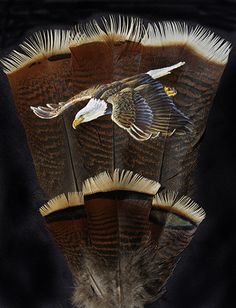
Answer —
(93, 110)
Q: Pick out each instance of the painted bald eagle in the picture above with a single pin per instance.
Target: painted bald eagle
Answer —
(140, 105)
(119, 209)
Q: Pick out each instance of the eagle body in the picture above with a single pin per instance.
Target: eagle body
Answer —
(119, 186)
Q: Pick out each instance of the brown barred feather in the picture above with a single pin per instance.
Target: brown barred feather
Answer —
(121, 249)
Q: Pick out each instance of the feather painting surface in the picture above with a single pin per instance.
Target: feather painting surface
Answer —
(113, 109)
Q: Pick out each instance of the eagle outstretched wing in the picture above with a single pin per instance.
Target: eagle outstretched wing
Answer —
(146, 111)
(51, 111)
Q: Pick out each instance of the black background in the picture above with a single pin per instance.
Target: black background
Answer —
(32, 271)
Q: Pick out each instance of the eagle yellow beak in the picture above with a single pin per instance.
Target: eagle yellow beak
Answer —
(77, 122)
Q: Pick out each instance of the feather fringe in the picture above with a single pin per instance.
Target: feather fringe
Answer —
(42, 44)
(203, 41)
(119, 28)
(184, 206)
(62, 202)
(115, 28)
(103, 182)
(120, 180)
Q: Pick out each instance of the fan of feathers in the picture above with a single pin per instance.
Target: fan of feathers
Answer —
(114, 110)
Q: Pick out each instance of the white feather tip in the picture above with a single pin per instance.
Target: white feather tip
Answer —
(183, 206)
(62, 202)
(120, 180)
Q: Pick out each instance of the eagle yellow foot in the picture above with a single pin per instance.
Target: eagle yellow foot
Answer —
(170, 91)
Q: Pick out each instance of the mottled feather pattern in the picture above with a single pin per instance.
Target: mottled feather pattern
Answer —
(124, 116)
(37, 88)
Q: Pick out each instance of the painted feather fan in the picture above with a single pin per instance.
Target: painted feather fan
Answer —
(138, 96)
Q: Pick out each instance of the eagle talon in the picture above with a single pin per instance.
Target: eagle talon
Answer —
(170, 91)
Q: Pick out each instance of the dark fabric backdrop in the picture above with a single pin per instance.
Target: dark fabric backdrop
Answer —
(33, 273)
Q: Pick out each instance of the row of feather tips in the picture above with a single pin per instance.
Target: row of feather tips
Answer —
(127, 181)
(47, 43)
